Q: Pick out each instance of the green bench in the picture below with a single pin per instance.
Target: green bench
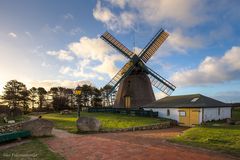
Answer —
(14, 135)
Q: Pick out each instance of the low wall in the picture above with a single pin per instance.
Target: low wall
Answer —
(162, 125)
(11, 127)
(38, 127)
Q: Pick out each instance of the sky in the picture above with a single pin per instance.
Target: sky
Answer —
(57, 43)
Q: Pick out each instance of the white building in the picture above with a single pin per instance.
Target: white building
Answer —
(189, 110)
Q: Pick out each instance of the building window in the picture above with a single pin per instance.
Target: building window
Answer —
(168, 112)
(182, 113)
(219, 111)
(194, 99)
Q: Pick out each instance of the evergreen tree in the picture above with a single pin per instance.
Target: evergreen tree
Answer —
(33, 93)
(15, 94)
(41, 96)
(97, 99)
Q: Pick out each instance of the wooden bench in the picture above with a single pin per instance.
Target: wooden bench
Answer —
(14, 135)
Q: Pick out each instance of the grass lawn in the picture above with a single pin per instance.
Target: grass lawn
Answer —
(28, 151)
(224, 138)
(17, 119)
(108, 121)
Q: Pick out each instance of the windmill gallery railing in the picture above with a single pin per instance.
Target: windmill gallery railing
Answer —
(132, 112)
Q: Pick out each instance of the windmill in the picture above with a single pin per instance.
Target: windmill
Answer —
(134, 80)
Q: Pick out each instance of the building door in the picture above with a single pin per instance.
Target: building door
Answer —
(127, 101)
(189, 116)
(194, 116)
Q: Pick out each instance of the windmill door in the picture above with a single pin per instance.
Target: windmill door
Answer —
(127, 101)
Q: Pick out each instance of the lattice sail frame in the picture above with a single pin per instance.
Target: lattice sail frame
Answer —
(117, 45)
(153, 45)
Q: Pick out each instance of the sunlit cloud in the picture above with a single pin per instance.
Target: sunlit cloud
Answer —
(61, 54)
(12, 35)
(47, 84)
(211, 70)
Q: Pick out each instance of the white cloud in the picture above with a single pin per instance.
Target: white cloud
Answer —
(12, 35)
(181, 12)
(184, 13)
(119, 3)
(228, 96)
(96, 59)
(61, 54)
(44, 64)
(68, 16)
(177, 42)
(65, 70)
(102, 13)
(95, 49)
(211, 70)
(80, 70)
(108, 66)
(75, 31)
(28, 34)
(92, 48)
(47, 84)
(137, 50)
(55, 29)
(118, 23)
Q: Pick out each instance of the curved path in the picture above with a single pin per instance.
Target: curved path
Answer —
(140, 145)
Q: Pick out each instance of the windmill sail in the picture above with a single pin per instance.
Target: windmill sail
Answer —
(135, 90)
(116, 44)
(124, 71)
(160, 83)
(153, 45)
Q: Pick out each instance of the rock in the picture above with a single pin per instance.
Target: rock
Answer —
(11, 121)
(39, 127)
(65, 111)
(237, 122)
(229, 121)
(88, 124)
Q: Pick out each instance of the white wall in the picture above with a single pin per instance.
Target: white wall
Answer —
(209, 113)
(200, 115)
(162, 112)
(212, 113)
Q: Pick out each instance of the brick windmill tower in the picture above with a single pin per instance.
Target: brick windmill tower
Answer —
(134, 81)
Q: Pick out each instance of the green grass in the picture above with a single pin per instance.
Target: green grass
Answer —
(34, 149)
(17, 119)
(224, 137)
(109, 121)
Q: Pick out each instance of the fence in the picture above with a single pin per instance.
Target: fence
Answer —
(132, 112)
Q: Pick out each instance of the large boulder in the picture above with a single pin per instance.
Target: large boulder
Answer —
(88, 124)
(39, 127)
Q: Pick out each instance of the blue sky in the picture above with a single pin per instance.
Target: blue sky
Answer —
(56, 43)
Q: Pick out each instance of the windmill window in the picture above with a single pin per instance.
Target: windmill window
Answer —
(168, 112)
